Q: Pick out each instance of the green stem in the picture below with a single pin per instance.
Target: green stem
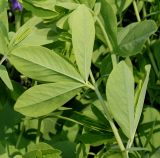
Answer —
(114, 60)
(2, 60)
(113, 56)
(136, 11)
(107, 113)
(38, 131)
(151, 57)
(20, 135)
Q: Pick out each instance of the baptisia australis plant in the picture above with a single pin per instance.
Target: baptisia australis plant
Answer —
(74, 60)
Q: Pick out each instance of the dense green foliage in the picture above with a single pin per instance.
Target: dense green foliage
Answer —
(79, 79)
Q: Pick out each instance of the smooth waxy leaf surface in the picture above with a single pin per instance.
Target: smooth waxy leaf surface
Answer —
(5, 78)
(43, 64)
(3, 13)
(132, 37)
(43, 99)
(83, 34)
(3, 38)
(34, 33)
(44, 9)
(149, 128)
(109, 24)
(3, 44)
(42, 150)
(140, 102)
(89, 3)
(68, 4)
(119, 5)
(120, 96)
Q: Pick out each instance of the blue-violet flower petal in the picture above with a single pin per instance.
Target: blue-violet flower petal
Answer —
(16, 5)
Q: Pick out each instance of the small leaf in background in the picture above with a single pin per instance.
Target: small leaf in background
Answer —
(43, 64)
(89, 3)
(141, 97)
(68, 4)
(18, 89)
(155, 47)
(83, 34)
(3, 38)
(33, 154)
(120, 97)
(34, 33)
(96, 138)
(4, 95)
(44, 9)
(109, 24)
(149, 129)
(43, 99)
(5, 78)
(132, 38)
(120, 5)
(3, 13)
(46, 150)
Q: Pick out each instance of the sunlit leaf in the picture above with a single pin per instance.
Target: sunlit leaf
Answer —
(120, 97)
(83, 34)
(43, 99)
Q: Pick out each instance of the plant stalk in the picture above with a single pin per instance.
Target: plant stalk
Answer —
(20, 135)
(38, 131)
(111, 122)
(3, 59)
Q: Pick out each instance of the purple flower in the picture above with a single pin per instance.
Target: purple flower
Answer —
(16, 5)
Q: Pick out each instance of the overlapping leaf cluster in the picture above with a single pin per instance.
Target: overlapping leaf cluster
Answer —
(79, 78)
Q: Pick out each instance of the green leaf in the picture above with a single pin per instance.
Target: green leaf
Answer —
(114, 155)
(46, 150)
(89, 3)
(88, 122)
(43, 99)
(18, 89)
(119, 5)
(4, 95)
(149, 129)
(34, 33)
(132, 37)
(44, 9)
(120, 97)
(33, 154)
(141, 97)
(5, 78)
(3, 38)
(96, 138)
(68, 4)
(155, 47)
(3, 44)
(83, 34)
(110, 24)
(156, 153)
(3, 13)
(43, 64)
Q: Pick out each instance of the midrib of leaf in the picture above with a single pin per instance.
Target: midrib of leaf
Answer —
(138, 39)
(51, 98)
(72, 77)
